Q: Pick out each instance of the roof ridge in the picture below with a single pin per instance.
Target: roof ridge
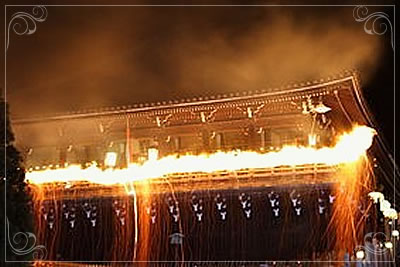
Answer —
(187, 100)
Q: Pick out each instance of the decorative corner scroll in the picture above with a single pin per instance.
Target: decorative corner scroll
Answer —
(20, 241)
(23, 23)
(375, 23)
(373, 245)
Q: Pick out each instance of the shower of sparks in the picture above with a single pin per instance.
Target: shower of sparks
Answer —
(354, 179)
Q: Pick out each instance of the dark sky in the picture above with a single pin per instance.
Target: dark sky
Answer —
(91, 57)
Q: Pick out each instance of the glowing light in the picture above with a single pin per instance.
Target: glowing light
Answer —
(321, 108)
(389, 245)
(360, 254)
(349, 148)
(395, 233)
(390, 214)
(152, 154)
(385, 205)
(376, 196)
(312, 139)
(111, 159)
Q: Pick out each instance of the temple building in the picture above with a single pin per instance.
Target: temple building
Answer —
(262, 214)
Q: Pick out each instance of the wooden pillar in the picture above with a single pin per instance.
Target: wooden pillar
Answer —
(219, 141)
(177, 143)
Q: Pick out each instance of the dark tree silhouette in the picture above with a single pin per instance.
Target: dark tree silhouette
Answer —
(17, 205)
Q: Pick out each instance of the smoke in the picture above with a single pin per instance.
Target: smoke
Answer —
(94, 57)
(275, 52)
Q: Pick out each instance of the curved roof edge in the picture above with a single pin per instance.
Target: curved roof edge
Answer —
(222, 98)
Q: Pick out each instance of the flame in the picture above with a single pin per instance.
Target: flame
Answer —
(349, 148)
(349, 152)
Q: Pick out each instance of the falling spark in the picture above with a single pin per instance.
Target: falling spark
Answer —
(349, 152)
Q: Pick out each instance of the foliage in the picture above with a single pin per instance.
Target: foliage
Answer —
(15, 196)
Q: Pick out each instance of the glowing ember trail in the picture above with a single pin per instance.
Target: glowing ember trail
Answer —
(349, 148)
(134, 240)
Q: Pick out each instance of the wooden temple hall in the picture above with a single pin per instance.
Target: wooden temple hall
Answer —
(253, 120)
(280, 213)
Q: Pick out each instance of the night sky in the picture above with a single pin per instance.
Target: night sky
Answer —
(93, 57)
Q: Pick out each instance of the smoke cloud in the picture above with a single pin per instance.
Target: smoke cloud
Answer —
(91, 57)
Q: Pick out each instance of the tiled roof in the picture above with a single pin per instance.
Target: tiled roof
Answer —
(227, 97)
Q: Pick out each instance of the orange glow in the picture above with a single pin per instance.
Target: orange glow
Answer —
(354, 179)
(349, 148)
